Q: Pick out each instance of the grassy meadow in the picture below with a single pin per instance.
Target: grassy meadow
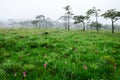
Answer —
(33, 54)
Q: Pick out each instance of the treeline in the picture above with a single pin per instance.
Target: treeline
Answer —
(71, 21)
(111, 14)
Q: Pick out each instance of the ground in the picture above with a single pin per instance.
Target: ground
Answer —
(31, 54)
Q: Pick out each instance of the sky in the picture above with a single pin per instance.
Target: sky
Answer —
(53, 9)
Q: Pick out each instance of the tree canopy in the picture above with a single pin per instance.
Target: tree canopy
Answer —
(94, 11)
(112, 14)
(69, 13)
(80, 19)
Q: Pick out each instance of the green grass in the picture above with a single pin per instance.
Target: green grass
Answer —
(73, 55)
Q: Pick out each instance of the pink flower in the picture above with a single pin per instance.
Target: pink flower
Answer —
(24, 74)
(85, 67)
(45, 65)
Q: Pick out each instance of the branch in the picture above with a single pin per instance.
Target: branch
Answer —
(116, 19)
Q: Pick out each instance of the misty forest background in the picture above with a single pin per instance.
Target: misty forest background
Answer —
(89, 21)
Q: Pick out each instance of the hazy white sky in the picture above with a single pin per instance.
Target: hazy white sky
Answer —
(28, 9)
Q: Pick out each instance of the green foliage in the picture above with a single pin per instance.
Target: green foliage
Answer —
(79, 19)
(34, 22)
(69, 14)
(94, 24)
(68, 8)
(93, 11)
(112, 14)
(59, 55)
(40, 17)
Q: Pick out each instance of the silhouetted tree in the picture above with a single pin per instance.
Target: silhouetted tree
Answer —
(25, 23)
(11, 22)
(34, 22)
(64, 18)
(41, 19)
(47, 22)
(94, 25)
(94, 11)
(113, 15)
(81, 19)
(69, 13)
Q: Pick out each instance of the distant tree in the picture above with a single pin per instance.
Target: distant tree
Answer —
(47, 22)
(94, 25)
(94, 11)
(87, 21)
(25, 23)
(113, 15)
(69, 13)
(1, 24)
(106, 27)
(64, 18)
(15, 24)
(34, 22)
(11, 22)
(81, 19)
(41, 19)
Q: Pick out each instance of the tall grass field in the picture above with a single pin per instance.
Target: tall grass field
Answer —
(53, 54)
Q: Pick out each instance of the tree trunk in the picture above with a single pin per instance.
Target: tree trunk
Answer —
(112, 25)
(83, 26)
(46, 25)
(68, 23)
(96, 22)
(36, 25)
(65, 24)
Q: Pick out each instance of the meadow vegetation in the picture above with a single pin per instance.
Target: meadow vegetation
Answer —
(53, 54)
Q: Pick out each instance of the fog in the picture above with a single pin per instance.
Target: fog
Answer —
(29, 9)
